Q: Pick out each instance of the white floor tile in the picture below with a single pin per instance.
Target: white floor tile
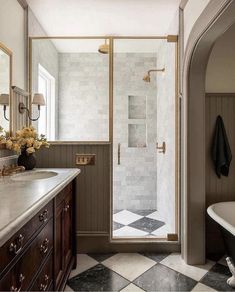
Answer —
(201, 287)
(126, 217)
(162, 231)
(68, 289)
(155, 215)
(129, 265)
(128, 231)
(175, 262)
(84, 262)
(132, 288)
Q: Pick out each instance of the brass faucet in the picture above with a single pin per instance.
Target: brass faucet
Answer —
(12, 169)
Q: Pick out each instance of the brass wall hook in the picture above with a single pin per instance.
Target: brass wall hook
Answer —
(162, 149)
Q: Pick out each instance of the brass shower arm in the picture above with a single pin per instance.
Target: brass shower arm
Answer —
(156, 70)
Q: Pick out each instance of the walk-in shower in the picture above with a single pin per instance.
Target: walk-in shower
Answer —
(144, 139)
(95, 95)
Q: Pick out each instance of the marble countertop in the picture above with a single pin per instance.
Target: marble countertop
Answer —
(21, 200)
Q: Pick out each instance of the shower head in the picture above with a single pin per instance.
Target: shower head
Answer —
(104, 48)
(147, 78)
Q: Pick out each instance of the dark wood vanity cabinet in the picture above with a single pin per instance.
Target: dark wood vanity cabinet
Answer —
(40, 256)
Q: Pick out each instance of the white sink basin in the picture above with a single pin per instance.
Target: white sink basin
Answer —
(34, 175)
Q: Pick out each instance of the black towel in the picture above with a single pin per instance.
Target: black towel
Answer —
(221, 152)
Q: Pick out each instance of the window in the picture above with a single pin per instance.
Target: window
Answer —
(46, 86)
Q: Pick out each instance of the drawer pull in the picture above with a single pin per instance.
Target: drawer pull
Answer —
(43, 287)
(43, 216)
(66, 208)
(21, 280)
(44, 246)
(16, 248)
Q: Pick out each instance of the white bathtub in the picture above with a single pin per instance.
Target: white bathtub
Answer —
(224, 214)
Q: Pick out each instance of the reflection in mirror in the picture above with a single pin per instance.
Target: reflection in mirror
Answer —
(5, 87)
(73, 76)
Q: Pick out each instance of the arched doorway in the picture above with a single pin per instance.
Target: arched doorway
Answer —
(217, 17)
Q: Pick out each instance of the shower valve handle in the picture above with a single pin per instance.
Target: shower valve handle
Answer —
(162, 149)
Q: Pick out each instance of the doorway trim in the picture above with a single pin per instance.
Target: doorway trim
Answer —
(216, 18)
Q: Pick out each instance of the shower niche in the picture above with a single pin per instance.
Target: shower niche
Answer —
(137, 129)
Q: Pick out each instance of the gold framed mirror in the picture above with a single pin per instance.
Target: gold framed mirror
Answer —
(5, 88)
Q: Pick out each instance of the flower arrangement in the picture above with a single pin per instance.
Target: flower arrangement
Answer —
(25, 140)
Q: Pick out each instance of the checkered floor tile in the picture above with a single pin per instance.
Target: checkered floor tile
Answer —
(135, 223)
(146, 272)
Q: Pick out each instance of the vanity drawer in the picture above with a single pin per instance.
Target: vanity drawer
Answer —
(14, 247)
(67, 190)
(23, 272)
(44, 279)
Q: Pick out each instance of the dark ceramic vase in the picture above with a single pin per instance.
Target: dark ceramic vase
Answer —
(27, 160)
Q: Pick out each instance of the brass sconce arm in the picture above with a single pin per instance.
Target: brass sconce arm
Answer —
(4, 112)
(23, 108)
(38, 100)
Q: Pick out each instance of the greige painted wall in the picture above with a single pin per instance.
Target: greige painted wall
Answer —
(192, 11)
(220, 75)
(12, 35)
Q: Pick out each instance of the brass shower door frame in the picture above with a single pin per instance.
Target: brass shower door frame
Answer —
(169, 38)
(170, 238)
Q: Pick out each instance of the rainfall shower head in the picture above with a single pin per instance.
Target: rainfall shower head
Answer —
(147, 78)
(104, 48)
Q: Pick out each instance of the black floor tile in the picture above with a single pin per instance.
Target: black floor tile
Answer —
(98, 278)
(117, 225)
(142, 212)
(100, 257)
(161, 278)
(147, 224)
(214, 256)
(157, 257)
(217, 277)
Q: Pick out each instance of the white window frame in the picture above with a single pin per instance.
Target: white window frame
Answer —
(50, 102)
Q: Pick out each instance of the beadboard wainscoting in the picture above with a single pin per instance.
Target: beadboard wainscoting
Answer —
(94, 199)
(223, 189)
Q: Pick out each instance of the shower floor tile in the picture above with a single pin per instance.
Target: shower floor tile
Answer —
(128, 231)
(138, 223)
(126, 217)
(147, 224)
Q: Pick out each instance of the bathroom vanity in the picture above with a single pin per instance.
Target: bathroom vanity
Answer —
(37, 230)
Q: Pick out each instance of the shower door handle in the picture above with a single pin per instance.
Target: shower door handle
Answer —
(119, 153)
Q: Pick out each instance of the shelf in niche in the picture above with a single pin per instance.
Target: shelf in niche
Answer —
(137, 135)
(137, 107)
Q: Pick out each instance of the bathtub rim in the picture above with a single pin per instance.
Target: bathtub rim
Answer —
(222, 222)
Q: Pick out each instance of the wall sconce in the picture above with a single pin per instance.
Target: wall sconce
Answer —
(39, 100)
(4, 100)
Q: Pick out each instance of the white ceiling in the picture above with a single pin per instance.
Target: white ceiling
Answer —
(106, 17)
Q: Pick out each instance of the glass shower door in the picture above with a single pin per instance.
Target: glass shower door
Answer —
(142, 197)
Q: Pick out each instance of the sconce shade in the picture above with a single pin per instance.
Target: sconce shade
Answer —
(4, 99)
(38, 99)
